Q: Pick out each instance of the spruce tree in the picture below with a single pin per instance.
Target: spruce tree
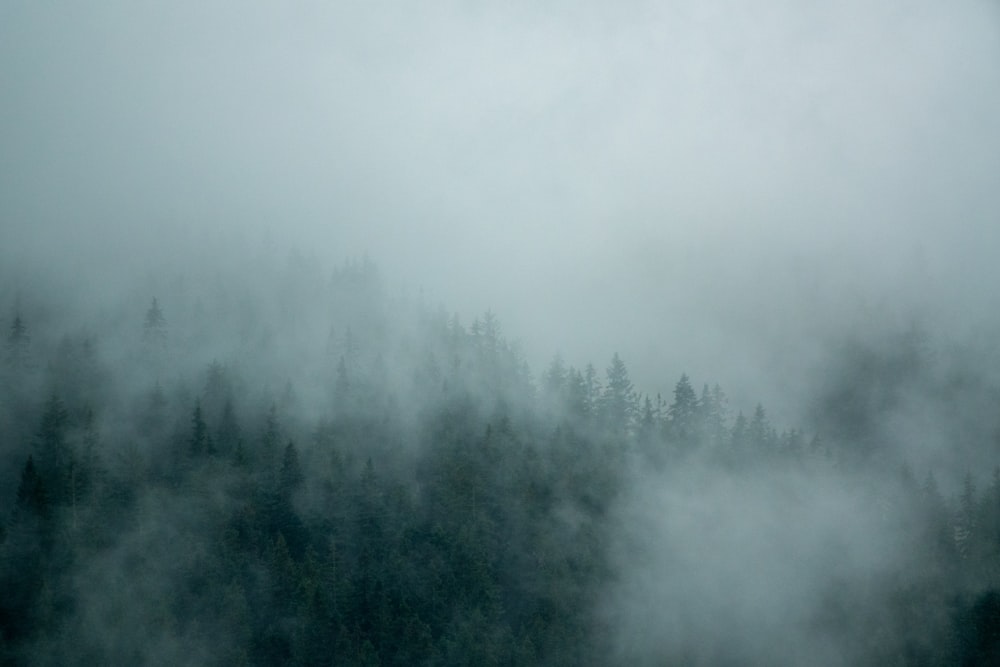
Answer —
(154, 325)
(618, 402)
(682, 416)
(17, 344)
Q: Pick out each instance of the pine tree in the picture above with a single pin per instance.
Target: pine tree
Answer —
(17, 344)
(618, 402)
(227, 436)
(738, 439)
(682, 416)
(648, 431)
(199, 443)
(991, 525)
(760, 435)
(154, 325)
(712, 417)
(290, 477)
(965, 519)
(489, 338)
(266, 458)
(592, 386)
(84, 469)
(647, 420)
(217, 391)
(555, 380)
(938, 535)
(32, 498)
(791, 444)
(25, 558)
(577, 402)
(54, 454)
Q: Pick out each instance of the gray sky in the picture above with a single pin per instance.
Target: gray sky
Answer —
(713, 187)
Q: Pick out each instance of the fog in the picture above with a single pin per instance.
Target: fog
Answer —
(791, 200)
(711, 188)
(805, 553)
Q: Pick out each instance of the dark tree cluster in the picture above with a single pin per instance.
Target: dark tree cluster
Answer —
(355, 483)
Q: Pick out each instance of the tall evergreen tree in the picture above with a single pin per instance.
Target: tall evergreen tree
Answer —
(17, 344)
(760, 434)
(200, 442)
(593, 389)
(966, 515)
(269, 441)
(738, 439)
(228, 438)
(578, 401)
(32, 498)
(554, 381)
(54, 453)
(682, 416)
(618, 402)
(154, 325)
(290, 477)
(712, 417)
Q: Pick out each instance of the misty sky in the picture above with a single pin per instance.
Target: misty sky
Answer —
(704, 186)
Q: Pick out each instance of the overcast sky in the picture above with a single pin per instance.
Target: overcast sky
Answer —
(704, 186)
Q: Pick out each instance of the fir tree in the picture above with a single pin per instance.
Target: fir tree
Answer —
(17, 344)
(32, 498)
(554, 381)
(682, 416)
(199, 443)
(618, 400)
(760, 435)
(154, 325)
(291, 476)
(54, 453)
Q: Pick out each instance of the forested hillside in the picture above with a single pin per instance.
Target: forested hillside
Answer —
(293, 465)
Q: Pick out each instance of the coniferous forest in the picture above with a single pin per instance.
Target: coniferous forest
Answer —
(301, 468)
(656, 333)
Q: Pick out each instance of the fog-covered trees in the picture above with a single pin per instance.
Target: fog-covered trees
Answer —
(16, 345)
(401, 492)
(682, 416)
(618, 399)
(32, 499)
(154, 325)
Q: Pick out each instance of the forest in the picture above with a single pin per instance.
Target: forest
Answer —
(647, 333)
(304, 469)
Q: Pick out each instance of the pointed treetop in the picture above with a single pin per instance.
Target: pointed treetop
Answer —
(154, 326)
(18, 329)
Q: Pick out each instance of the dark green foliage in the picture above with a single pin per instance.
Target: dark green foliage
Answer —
(291, 472)
(977, 632)
(267, 454)
(200, 441)
(32, 499)
(55, 458)
(427, 508)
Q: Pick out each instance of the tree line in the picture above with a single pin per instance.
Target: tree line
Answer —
(405, 492)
